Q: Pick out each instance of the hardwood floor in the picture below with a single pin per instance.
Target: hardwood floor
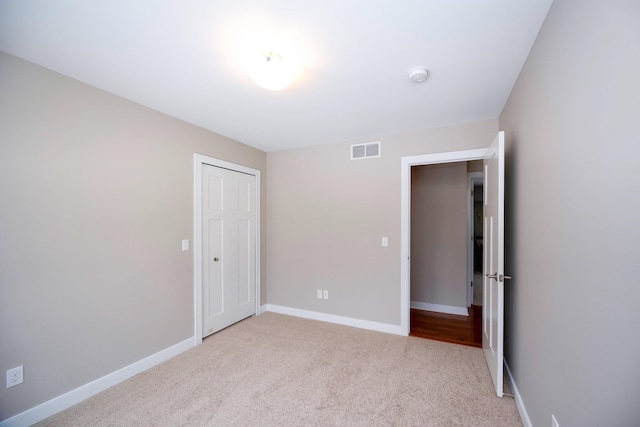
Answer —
(465, 330)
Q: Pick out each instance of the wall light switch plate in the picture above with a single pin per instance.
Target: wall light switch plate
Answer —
(185, 245)
(325, 294)
(385, 242)
(319, 294)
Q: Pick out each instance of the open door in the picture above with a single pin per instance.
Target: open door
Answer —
(493, 261)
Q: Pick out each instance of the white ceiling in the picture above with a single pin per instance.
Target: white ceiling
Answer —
(186, 59)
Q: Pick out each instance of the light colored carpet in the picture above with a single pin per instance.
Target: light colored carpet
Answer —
(276, 370)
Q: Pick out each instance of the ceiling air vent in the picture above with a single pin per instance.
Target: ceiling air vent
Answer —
(365, 151)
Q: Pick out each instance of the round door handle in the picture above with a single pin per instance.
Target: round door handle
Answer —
(216, 259)
(492, 276)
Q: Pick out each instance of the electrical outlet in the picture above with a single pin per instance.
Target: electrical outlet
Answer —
(554, 422)
(14, 376)
(325, 295)
(319, 294)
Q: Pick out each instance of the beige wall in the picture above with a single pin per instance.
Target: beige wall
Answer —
(96, 194)
(474, 166)
(572, 205)
(438, 234)
(327, 215)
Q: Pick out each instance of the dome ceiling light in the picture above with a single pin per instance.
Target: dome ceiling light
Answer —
(271, 72)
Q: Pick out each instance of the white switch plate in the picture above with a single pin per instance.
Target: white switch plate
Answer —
(185, 245)
(385, 242)
(325, 294)
(319, 294)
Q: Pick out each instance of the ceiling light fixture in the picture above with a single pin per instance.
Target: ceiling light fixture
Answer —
(418, 74)
(271, 72)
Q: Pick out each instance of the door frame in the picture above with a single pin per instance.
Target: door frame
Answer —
(473, 178)
(405, 219)
(198, 161)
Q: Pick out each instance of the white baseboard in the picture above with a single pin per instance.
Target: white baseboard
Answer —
(57, 404)
(438, 308)
(332, 318)
(526, 421)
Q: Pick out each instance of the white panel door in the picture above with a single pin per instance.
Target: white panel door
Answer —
(493, 263)
(228, 247)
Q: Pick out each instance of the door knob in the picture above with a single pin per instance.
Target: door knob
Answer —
(505, 277)
(492, 276)
(216, 259)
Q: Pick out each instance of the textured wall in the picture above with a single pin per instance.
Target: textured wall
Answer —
(96, 194)
(327, 215)
(572, 135)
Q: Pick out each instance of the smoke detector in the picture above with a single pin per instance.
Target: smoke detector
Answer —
(418, 74)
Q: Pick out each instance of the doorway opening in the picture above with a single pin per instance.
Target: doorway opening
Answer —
(493, 265)
(407, 164)
(446, 204)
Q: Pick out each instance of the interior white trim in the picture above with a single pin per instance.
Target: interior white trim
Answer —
(405, 218)
(524, 416)
(332, 318)
(440, 308)
(62, 402)
(198, 161)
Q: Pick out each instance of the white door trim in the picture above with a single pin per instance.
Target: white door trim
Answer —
(198, 161)
(405, 218)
